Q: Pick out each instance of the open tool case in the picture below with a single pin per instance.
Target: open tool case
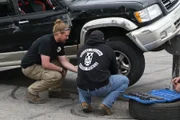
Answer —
(155, 96)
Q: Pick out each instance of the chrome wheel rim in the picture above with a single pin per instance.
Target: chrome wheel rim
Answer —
(124, 64)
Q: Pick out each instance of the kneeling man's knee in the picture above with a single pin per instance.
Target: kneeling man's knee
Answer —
(57, 76)
(126, 80)
(53, 76)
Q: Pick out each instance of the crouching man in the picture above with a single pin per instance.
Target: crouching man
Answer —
(97, 74)
(46, 63)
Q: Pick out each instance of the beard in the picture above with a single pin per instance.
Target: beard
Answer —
(62, 41)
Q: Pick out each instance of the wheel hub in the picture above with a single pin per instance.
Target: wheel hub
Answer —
(124, 64)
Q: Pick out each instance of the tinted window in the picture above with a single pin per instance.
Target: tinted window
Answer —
(4, 10)
(29, 6)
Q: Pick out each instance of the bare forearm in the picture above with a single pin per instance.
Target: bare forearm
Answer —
(69, 66)
(52, 66)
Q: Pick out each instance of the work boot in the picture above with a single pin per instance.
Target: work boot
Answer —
(59, 94)
(86, 107)
(104, 109)
(34, 99)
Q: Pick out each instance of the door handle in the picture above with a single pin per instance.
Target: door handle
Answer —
(23, 21)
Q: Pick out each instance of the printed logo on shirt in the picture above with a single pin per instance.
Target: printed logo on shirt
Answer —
(58, 49)
(88, 58)
(89, 53)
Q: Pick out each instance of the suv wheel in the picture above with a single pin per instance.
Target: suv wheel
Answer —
(157, 111)
(130, 60)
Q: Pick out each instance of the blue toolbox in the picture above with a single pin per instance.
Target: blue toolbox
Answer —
(155, 96)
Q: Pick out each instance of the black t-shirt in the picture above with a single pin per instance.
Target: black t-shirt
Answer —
(45, 45)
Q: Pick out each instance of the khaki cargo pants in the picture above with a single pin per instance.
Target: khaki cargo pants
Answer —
(46, 79)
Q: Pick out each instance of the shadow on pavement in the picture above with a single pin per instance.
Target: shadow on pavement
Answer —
(14, 77)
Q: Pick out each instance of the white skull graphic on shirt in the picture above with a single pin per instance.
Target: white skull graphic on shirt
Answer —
(88, 59)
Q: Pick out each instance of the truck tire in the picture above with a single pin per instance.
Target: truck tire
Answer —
(130, 60)
(157, 111)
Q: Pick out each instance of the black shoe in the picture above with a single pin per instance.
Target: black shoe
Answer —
(59, 94)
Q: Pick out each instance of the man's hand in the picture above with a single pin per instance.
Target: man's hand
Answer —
(176, 79)
(176, 84)
(76, 68)
(66, 64)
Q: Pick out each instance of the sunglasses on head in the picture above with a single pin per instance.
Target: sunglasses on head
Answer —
(65, 29)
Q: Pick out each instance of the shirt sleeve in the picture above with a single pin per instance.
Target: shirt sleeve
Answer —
(45, 48)
(62, 52)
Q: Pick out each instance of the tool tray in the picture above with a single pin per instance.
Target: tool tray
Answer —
(155, 96)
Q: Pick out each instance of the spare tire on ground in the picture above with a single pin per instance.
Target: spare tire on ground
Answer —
(157, 111)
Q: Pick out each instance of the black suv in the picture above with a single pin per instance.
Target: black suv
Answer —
(131, 27)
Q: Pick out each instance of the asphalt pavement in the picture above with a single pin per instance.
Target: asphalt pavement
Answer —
(14, 106)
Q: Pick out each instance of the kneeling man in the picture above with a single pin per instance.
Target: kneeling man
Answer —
(97, 74)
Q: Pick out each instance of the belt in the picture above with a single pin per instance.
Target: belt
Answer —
(92, 89)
